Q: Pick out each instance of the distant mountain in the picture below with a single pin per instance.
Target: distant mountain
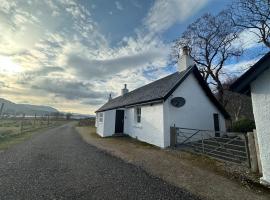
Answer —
(81, 116)
(11, 108)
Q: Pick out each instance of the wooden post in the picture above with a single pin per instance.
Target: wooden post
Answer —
(173, 136)
(257, 151)
(22, 123)
(35, 120)
(252, 152)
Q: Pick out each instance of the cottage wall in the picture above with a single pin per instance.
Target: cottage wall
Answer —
(150, 129)
(260, 93)
(197, 113)
(107, 127)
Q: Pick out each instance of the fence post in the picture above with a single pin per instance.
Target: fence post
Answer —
(35, 120)
(257, 151)
(252, 152)
(173, 136)
(247, 150)
(202, 142)
(22, 123)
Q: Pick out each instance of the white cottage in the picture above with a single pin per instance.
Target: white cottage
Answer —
(256, 83)
(182, 99)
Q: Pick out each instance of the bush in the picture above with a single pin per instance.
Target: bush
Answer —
(243, 125)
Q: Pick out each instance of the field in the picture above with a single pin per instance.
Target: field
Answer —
(13, 130)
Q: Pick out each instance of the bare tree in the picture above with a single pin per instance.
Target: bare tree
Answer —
(253, 15)
(238, 105)
(211, 40)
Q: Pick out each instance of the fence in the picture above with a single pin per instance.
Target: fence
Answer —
(231, 147)
(10, 127)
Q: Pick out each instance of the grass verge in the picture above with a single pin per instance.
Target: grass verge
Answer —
(14, 139)
(199, 174)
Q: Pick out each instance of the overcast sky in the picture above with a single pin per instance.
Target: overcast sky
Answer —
(72, 54)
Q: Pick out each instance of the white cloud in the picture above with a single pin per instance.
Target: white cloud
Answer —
(247, 39)
(118, 5)
(74, 63)
(239, 67)
(165, 13)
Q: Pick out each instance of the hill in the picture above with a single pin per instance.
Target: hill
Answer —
(11, 108)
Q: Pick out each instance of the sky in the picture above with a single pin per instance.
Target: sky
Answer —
(71, 54)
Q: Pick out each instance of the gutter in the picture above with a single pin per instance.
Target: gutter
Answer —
(154, 101)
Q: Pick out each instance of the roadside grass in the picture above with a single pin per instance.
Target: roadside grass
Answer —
(15, 139)
(12, 132)
(184, 165)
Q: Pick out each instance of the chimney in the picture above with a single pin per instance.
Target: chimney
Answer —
(185, 59)
(110, 97)
(124, 90)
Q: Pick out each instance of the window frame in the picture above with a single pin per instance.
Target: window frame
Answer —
(101, 117)
(138, 115)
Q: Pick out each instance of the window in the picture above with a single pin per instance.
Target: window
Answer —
(100, 117)
(138, 113)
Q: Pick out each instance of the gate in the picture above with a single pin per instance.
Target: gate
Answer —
(231, 147)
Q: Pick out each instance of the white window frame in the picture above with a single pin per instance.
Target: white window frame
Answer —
(100, 117)
(138, 115)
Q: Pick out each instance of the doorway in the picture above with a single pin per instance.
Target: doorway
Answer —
(119, 121)
(216, 125)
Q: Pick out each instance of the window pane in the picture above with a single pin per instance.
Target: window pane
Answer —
(139, 119)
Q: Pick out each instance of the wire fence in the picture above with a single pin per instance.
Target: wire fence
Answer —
(10, 127)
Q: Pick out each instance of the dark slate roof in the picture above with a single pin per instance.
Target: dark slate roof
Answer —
(160, 90)
(242, 84)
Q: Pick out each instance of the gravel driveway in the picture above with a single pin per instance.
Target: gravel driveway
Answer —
(57, 164)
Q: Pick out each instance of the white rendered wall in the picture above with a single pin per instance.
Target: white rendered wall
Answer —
(197, 113)
(99, 125)
(260, 92)
(96, 121)
(151, 128)
(107, 127)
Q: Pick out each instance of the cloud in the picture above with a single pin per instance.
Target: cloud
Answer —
(31, 75)
(91, 69)
(165, 13)
(68, 89)
(247, 39)
(118, 5)
(240, 67)
(67, 60)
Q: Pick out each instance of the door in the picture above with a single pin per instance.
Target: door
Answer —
(119, 121)
(216, 125)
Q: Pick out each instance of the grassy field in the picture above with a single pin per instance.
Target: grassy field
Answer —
(15, 130)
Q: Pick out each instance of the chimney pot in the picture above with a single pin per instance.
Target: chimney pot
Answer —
(186, 50)
(124, 90)
(110, 96)
(185, 59)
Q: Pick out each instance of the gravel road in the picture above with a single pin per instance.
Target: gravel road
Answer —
(57, 164)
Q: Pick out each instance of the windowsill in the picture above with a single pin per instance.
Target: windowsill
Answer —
(137, 125)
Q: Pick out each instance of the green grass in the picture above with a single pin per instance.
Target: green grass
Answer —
(12, 133)
(15, 139)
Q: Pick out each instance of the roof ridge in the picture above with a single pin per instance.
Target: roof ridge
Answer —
(147, 84)
(157, 89)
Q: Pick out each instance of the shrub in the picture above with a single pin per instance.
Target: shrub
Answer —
(243, 125)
